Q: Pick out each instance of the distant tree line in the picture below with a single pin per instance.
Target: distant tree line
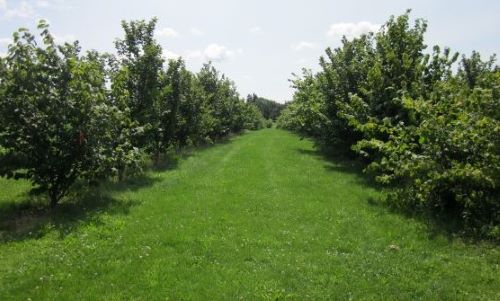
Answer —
(65, 115)
(270, 109)
(425, 123)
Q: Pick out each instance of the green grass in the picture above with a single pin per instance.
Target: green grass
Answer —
(262, 217)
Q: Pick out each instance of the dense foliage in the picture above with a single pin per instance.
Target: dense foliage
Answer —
(431, 133)
(66, 116)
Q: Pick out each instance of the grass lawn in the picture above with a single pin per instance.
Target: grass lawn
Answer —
(262, 217)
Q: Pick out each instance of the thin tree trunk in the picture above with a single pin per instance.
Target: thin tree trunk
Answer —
(54, 199)
(121, 174)
(157, 159)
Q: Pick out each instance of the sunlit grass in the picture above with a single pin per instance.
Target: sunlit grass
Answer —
(263, 217)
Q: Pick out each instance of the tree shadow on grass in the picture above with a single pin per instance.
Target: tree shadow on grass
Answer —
(437, 224)
(131, 183)
(341, 163)
(443, 224)
(32, 218)
(172, 159)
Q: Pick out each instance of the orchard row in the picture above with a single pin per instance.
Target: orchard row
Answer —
(66, 116)
(426, 123)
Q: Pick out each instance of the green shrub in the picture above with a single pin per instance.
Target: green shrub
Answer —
(449, 163)
(56, 123)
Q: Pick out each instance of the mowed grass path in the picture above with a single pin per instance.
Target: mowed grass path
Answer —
(261, 217)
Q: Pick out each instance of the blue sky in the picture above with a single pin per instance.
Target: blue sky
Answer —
(258, 43)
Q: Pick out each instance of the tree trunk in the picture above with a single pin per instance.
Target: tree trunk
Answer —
(121, 174)
(157, 159)
(54, 199)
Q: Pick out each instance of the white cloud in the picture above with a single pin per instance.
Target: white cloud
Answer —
(303, 45)
(59, 5)
(255, 30)
(167, 32)
(170, 55)
(194, 54)
(61, 39)
(5, 41)
(351, 30)
(213, 52)
(42, 3)
(23, 10)
(216, 52)
(196, 32)
(3, 4)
